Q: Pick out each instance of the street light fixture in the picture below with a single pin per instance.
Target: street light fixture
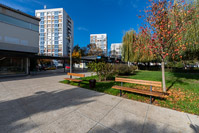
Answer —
(70, 38)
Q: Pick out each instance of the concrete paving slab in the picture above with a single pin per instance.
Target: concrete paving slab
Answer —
(11, 115)
(71, 123)
(42, 104)
(135, 107)
(8, 102)
(4, 92)
(172, 117)
(101, 129)
(51, 114)
(152, 126)
(123, 122)
(25, 125)
(95, 110)
(109, 99)
(16, 120)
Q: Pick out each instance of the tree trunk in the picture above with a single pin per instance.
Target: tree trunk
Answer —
(163, 77)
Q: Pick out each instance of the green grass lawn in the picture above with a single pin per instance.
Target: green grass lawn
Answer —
(184, 88)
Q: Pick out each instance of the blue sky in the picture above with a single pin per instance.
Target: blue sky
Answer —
(113, 17)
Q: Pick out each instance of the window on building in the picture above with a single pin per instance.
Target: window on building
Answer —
(56, 17)
(42, 14)
(41, 30)
(56, 42)
(41, 22)
(56, 13)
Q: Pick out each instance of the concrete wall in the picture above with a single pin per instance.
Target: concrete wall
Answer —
(17, 15)
(18, 39)
(13, 35)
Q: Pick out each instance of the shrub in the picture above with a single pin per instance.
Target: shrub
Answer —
(102, 69)
(124, 69)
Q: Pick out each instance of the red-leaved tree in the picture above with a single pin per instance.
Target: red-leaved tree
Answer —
(165, 22)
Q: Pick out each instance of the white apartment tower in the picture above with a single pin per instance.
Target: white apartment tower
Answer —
(56, 32)
(116, 49)
(100, 40)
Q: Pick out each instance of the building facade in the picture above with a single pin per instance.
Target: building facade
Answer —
(56, 32)
(19, 36)
(101, 41)
(116, 50)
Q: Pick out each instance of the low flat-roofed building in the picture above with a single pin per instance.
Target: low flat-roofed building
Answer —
(19, 35)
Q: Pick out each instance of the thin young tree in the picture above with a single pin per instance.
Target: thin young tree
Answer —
(165, 24)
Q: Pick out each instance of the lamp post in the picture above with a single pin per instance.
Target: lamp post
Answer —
(70, 38)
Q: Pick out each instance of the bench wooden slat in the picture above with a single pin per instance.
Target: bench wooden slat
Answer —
(76, 74)
(139, 91)
(142, 82)
(75, 80)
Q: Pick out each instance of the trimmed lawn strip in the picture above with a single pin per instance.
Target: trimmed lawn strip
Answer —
(183, 89)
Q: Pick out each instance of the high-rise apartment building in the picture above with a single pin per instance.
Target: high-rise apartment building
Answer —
(100, 40)
(116, 49)
(56, 32)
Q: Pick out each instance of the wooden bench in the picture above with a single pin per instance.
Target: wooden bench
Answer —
(139, 91)
(76, 75)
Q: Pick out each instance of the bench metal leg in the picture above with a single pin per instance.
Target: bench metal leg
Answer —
(151, 96)
(121, 90)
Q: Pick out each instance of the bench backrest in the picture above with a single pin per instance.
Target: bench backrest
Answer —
(76, 74)
(142, 82)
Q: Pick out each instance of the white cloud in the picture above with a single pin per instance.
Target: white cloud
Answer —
(82, 29)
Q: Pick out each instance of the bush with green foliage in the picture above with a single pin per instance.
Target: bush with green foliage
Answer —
(108, 71)
(102, 69)
(124, 69)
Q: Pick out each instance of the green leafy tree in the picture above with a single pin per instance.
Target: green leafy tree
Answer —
(129, 43)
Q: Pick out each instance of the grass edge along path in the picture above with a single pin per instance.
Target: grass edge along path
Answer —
(183, 89)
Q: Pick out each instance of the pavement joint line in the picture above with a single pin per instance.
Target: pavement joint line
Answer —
(161, 121)
(28, 116)
(107, 114)
(104, 127)
(6, 88)
(131, 112)
(59, 118)
(145, 118)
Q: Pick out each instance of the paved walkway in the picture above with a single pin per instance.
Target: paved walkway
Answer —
(42, 104)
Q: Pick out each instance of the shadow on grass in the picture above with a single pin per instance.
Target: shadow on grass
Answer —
(172, 82)
(185, 75)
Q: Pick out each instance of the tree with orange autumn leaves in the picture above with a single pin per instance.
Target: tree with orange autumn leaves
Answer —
(162, 35)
